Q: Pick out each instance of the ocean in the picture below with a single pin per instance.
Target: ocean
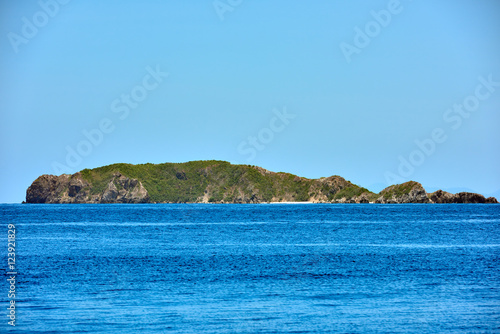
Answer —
(282, 268)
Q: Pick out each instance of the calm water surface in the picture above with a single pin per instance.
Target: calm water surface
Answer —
(254, 268)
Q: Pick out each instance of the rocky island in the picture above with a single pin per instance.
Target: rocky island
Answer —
(220, 182)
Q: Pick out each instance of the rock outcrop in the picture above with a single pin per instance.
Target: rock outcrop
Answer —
(220, 182)
(409, 192)
(491, 200)
(74, 188)
(441, 196)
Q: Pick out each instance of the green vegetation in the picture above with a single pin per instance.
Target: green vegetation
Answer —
(98, 178)
(220, 181)
(350, 192)
(398, 189)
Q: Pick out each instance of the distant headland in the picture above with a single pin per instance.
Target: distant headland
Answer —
(220, 182)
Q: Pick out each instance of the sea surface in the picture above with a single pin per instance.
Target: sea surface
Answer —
(277, 268)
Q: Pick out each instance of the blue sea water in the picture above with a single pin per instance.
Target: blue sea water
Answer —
(275, 268)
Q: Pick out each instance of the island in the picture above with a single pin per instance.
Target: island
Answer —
(220, 182)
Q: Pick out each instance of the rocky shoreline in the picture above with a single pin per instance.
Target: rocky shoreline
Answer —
(221, 182)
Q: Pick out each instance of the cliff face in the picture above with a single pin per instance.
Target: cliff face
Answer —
(74, 189)
(219, 182)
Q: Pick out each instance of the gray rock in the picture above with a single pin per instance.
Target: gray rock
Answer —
(74, 189)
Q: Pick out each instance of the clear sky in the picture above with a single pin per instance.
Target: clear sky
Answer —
(378, 92)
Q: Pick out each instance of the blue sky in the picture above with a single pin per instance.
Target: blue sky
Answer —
(269, 83)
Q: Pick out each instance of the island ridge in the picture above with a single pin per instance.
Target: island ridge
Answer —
(220, 182)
